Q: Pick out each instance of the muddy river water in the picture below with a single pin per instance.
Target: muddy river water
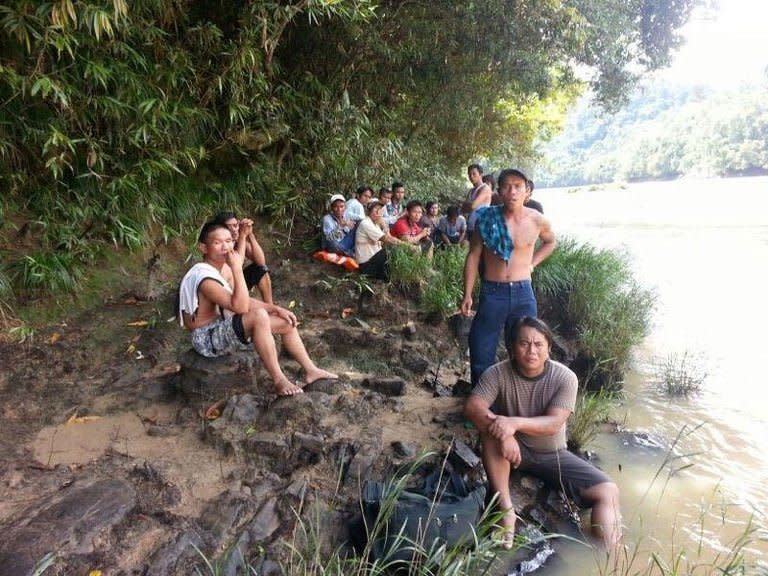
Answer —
(702, 245)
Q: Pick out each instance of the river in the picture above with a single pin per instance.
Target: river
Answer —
(702, 246)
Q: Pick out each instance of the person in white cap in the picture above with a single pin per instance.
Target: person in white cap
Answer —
(338, 232)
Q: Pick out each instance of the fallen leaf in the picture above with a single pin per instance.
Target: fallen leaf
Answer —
(138, 324)
(94, 573)
(131, 348)
(54, 338)
(75, 419)
(292, 304)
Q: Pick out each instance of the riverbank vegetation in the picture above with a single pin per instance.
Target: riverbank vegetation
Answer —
(125, 124)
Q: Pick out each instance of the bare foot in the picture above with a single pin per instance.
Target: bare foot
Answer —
(319, 374)
(287, 388)
(508, 528)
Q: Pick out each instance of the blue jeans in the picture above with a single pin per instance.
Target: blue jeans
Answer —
(501, 305)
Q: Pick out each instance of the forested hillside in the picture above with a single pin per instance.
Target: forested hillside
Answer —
(121, 122)
(664, 132)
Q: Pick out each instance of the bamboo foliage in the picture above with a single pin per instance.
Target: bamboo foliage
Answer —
(115, 115)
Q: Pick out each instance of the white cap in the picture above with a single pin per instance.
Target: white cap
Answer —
(336, 197)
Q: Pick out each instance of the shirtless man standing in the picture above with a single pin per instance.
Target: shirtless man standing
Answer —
(505, 240)
(216, 307)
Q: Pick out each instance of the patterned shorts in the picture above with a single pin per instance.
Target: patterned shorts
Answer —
(220, 337)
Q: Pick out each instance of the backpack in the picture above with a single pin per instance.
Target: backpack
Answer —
(444, 511)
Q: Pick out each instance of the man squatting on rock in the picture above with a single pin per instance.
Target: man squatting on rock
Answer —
(520, 408)
(216, 307)
(504, 243)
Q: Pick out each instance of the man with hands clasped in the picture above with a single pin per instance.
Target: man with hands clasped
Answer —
(520, 407)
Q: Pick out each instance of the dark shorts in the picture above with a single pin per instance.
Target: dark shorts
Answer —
(220, 337)
(253, 274)
(563, 470)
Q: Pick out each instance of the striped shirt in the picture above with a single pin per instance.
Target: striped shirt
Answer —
(511, 394)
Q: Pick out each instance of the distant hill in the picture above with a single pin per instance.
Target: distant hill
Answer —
(664, 132)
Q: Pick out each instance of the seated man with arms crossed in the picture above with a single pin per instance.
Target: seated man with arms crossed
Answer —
(215, 306)
(520, 408)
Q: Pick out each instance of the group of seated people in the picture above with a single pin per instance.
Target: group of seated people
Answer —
(522, 427)
(361, 226)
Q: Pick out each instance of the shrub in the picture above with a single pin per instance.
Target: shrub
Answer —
(591, 297)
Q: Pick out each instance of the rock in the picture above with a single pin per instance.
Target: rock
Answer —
(460, 326)
(165, 559)
(413, 361)
(362, 462)
(438, 388)
(389, 386)
(302, 412)
(297, 489)
(463, 456)
(640, 443)
(462, 388)
(308, 449)
(326, 386)
(405, 449)
(269, 448)
(223, 517)
(243, 409)
(409, 330)
(309, 441)
(210, 379)
(68, 521)
(266, 522)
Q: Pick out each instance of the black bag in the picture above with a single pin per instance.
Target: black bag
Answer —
(442, 512)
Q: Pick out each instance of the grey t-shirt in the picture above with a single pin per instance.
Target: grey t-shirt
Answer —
(511, 394)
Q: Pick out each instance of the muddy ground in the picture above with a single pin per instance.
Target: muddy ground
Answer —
(109, 462)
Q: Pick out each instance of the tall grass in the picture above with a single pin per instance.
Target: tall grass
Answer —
(441, 296)
(680, 374)
(437, 284)
(592, 410)
(409, 270)
(591, 296)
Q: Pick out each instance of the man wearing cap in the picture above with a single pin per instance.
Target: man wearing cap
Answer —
(355, 210)
(338, 233)
(505, 240)
(369, 252)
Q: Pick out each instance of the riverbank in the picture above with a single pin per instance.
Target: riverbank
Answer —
(112, 463)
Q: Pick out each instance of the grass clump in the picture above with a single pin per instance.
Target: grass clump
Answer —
(592, 410)
(438, 284)
(592, 297)
(442, 294)
(680, 375)
(409, 270)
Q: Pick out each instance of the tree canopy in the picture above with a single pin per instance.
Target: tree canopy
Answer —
(120, 118)
(664, 132)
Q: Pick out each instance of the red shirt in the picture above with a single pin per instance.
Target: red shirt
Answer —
(404, 228)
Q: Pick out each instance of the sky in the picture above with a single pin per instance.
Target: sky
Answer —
(724, 45)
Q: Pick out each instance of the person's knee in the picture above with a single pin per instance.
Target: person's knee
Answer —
(258, 317)
(604, 493)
